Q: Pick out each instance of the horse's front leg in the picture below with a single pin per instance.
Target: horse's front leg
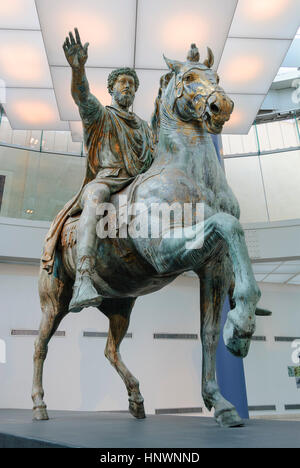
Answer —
(240, 324)
(195, 246)
(214, 285)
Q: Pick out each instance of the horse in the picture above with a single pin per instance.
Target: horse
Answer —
(190, 107)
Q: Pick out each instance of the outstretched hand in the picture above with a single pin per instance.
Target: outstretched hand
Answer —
(75, 52)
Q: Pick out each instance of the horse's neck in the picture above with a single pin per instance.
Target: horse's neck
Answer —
(186, 146)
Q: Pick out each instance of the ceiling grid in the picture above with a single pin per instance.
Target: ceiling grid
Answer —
(250, 40)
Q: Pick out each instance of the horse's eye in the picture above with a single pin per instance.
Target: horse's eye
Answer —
(188, 78)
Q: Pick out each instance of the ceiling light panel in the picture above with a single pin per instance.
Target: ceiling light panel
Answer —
(23, 62)
(33, 109)
(244, 113)
(248, 66)
(145, 96)
(109, 27)
(266, 19)
(62, 77)
(76, 131)
(170, 26)
(18, 14)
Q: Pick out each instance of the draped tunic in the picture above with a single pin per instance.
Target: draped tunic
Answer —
(119, 147)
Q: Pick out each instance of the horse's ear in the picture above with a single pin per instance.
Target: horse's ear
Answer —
(173, 65)
(210, 58)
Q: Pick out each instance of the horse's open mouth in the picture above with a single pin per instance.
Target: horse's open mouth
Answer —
(211, 125)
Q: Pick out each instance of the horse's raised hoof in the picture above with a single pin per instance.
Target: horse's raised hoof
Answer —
(228, 418)
(137, 409)
(237, 343)
(40, 414)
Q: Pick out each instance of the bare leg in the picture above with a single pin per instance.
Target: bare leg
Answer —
(84, 293)
(55, 297)
(214, 284)
(118, 312)
(94, 194)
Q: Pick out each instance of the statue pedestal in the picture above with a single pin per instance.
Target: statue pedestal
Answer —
(114, 430)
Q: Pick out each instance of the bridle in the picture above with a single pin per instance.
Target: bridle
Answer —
(179, 87)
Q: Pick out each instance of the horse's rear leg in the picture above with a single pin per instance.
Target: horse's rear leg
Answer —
(214, 284)
(118, 311)
(54, 297)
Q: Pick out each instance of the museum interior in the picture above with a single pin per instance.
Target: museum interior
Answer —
(43, 160)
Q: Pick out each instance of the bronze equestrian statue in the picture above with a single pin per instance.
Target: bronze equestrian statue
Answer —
(185, 169)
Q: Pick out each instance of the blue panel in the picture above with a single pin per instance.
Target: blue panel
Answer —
(230, 373)
(216, 145)
(230, 369)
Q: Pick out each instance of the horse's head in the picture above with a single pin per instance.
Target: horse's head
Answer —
(194, 93)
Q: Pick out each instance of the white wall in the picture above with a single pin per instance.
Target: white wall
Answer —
(267, 186)
(22, 239)
(78, 377)
(266, 367)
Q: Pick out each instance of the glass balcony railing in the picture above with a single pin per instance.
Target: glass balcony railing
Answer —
(264, 138)
(41, 170)
(39, 140)
(37, 185)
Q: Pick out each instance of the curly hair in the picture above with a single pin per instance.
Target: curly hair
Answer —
(121, 71)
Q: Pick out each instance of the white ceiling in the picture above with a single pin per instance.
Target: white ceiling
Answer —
(250, 39)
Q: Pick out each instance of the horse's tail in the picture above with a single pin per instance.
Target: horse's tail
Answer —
(259, 312)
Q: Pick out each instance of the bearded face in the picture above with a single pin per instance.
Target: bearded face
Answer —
(124, 90)
(124, 100)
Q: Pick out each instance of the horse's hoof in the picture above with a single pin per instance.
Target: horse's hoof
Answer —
(137, 409)
(40, 414)
(228, 418)
(237, 344)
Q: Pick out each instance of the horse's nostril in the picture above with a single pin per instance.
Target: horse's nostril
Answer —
(214, 108)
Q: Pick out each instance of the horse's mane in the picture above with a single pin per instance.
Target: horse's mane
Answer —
(192, 57)
(155, 118)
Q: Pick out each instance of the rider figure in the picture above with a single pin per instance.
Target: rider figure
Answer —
(119, 146)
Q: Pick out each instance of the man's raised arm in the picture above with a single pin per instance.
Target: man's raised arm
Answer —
(76, 55)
